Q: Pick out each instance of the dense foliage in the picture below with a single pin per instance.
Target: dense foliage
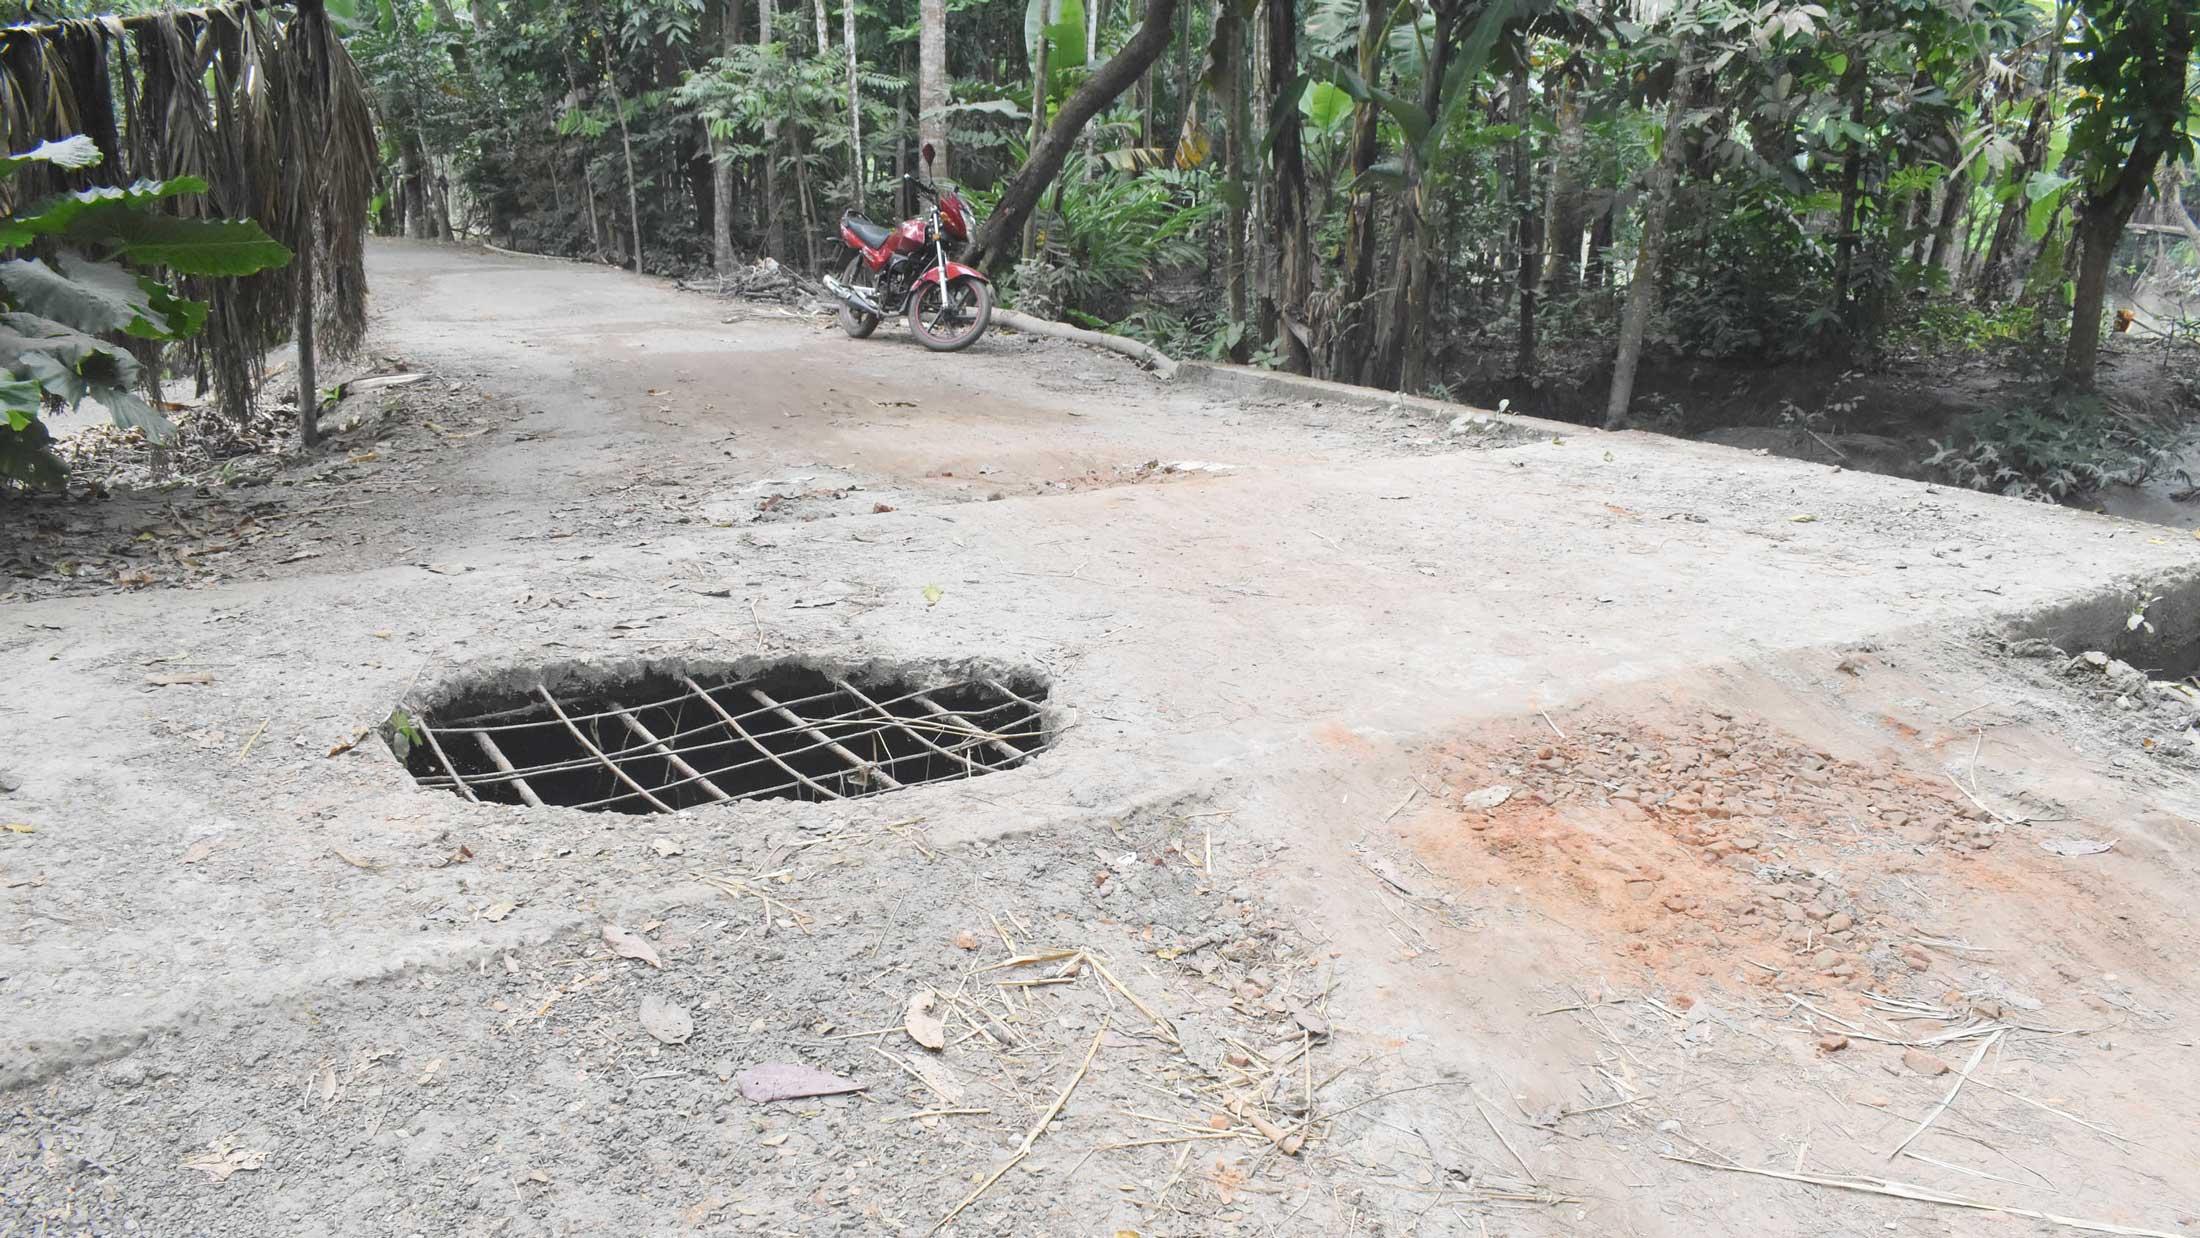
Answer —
(81, 284)
(1391, 193)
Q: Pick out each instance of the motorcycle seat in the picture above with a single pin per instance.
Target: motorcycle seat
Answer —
(871, 234)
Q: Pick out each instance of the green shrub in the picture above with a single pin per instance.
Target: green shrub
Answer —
(63, 306)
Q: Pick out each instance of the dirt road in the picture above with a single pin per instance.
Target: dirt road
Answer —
(1513, 830)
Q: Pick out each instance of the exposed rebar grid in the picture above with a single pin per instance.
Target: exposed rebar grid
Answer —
(789, 733)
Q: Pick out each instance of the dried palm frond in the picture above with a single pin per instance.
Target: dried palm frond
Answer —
(262, 102)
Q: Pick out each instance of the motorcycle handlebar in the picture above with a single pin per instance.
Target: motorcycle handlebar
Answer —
(922, 184)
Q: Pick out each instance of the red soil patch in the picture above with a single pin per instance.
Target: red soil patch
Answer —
(1705, 845)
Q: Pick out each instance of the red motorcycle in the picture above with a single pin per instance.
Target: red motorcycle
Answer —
(906, 271)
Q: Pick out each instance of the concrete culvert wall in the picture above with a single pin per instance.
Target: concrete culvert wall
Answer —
(666, 737)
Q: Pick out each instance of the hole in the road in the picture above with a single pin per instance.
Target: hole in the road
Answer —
(670, 738)
(2154, 628)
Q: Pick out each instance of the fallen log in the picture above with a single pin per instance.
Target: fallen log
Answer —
(1145, 354)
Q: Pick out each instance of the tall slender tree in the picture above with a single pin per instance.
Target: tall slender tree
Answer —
(1294, 283)
(932, 83)
(721, 163)
(2130, 114)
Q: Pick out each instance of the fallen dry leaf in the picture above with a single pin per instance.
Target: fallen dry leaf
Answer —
(966, 940)
(497, 911)
(628, 944)
(348, 858)
(222, 1160)
(666, 1020)
(19, 827)
(170, 679)
(342, 746)
(665, 847)
(790, 1081)
(922, 1021)
(198, 851)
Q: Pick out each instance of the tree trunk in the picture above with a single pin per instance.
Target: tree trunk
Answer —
(2032, 153)
(803, 198)
(1402, 354)
(1852, 170)
(1287, 156)
(1599, 270)
(855, 106)
(932, 83)
(721, 164)
(2107, 208)
(2173, 205)
(2097, 234)
(1228, 78)
(413, 176)
(1642, 290)
(772, 239)
(439, 200)
(1944, 251)
(1038, 126)
(901, 142)
(309, 392)
(997, 239)
(1530, 219)
(1355, 337)
(824, 30)
(626, 147)
(1562, 270)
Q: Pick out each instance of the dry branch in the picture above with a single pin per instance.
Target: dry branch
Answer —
(1145, 354)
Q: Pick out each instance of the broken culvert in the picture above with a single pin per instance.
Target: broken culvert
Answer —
(670, 739)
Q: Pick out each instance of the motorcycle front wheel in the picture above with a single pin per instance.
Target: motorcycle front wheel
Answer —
(852, 320)
(950, 318)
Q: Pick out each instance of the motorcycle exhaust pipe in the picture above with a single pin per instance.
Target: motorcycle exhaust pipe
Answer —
(854, 298)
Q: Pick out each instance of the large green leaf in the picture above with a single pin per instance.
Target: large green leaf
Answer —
(1326, 106)
(63, 360)
(85, 207)
(1062, 22)
(90, 296)
(190, 246)
(72, 152)
(20, 400)
(1409, 116)
(185, 316)
(132, 413)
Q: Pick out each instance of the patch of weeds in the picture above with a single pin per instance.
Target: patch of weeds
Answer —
(2062, 449)
(1935, 324)
(403, 732)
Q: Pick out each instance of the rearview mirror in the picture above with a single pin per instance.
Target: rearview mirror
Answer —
(928, 153)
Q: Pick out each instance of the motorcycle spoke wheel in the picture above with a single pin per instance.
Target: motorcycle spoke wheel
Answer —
(949, 318)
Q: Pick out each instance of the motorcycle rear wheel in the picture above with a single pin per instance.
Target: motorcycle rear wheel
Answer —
(950, 318)
(855, 322)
